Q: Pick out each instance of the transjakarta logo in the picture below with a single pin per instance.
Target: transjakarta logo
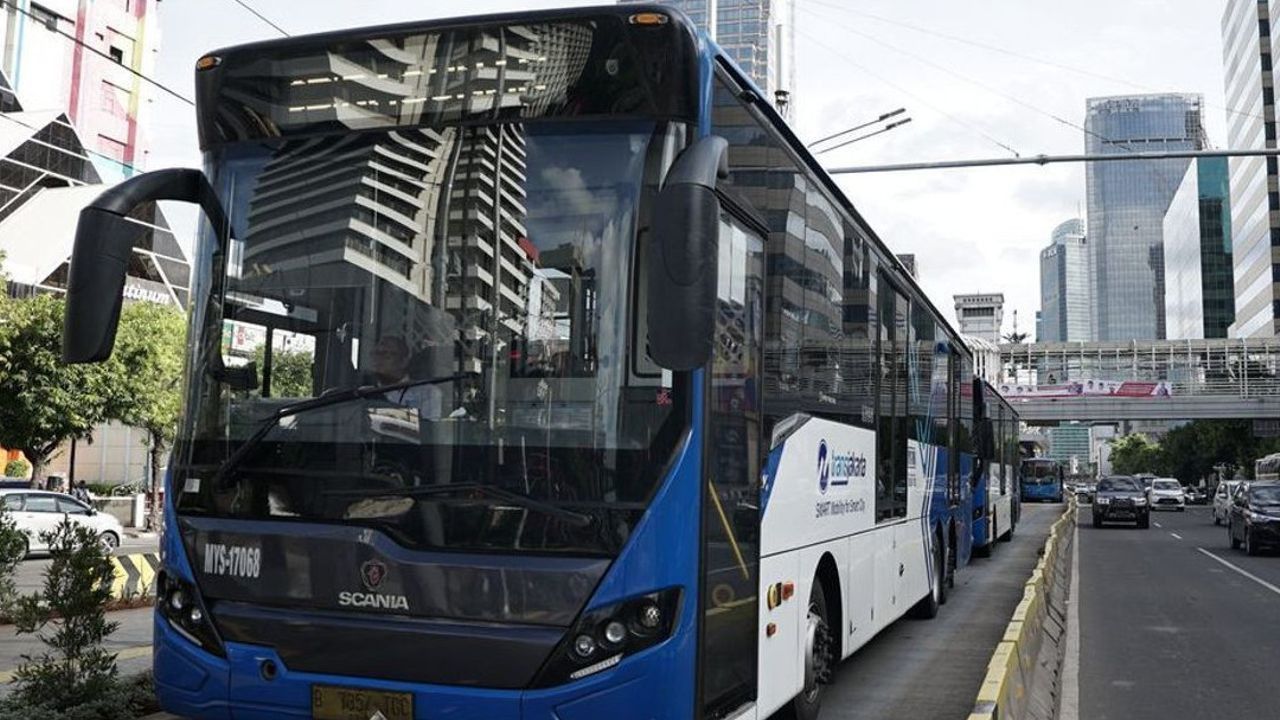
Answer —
(838, 469)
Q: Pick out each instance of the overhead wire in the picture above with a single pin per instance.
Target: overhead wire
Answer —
(261, 17)
(1015, 54)
(917, 97)
(146, 78)
(978, 83)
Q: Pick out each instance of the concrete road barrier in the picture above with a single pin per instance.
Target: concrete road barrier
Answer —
(135, 575)
(1023, 676)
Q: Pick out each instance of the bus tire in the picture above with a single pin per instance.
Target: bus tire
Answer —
(818, 663)
(953, 558)
(927, 607)
(1008, 535)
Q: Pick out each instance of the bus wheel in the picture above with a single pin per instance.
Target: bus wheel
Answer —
(927, 607)
(818, 663)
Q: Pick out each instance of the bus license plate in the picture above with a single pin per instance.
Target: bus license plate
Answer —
(340, 703)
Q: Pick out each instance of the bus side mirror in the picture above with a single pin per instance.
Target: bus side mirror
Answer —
(105, 238)
(682, 256)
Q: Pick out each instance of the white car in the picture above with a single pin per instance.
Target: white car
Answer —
(1167, 494)
(1222, 498)
(37, 512)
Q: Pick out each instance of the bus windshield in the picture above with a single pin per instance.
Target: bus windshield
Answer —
(1040, 473)
(487, 273)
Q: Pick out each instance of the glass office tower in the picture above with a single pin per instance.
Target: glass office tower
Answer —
(1064, 286)
(1126, 206)
(1199, 292)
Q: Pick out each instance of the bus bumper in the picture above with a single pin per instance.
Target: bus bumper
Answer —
(195, 684)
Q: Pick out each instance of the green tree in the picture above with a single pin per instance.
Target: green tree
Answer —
(43, 402)
(1134, 453)
(291, 372)
(148, 358)
(69, 616)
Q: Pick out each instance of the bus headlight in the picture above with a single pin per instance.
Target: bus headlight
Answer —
(603, 636)
(179, 604)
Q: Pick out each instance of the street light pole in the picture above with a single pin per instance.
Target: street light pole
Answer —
(1053, 159)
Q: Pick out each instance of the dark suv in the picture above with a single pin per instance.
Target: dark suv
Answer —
(1254, 517)
(1120, 497)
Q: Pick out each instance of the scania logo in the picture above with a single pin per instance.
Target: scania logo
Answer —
(372, 573)
(824, 468)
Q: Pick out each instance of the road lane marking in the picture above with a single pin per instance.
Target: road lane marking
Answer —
(1176, 535)
(1069, 709)
(1243, 572)
(129, 653)
(1157, 524)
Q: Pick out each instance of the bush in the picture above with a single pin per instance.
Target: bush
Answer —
(124, 700)
(13, 546)
(69, 615)
(100, 489)
(17, 468)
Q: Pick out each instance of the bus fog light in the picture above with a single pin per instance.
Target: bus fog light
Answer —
(615, 632)
(584, 646)
(650, 617)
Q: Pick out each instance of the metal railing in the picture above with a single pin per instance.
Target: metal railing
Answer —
(1219, 368)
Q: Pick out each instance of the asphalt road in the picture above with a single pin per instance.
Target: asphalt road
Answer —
(30, 575)
(1169, 630)
(932, 668)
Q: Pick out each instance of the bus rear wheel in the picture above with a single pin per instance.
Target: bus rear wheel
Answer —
(818, 663)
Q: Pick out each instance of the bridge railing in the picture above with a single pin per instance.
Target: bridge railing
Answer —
(1223, 368)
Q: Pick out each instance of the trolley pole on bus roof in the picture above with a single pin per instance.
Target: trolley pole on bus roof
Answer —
(1050, 160)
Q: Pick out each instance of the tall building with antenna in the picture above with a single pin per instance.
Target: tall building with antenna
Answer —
(758, 34)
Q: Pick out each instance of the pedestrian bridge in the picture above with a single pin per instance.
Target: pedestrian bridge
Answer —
(1050, 383)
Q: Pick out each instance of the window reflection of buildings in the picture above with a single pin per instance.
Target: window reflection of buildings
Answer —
(437, 214)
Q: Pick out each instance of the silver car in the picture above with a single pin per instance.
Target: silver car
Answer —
(1222, 500)
(1167, 494)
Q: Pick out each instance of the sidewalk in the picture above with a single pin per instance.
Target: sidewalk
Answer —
(132, 642)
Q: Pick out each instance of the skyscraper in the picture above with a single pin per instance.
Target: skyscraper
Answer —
(1199, 293)
(1127, 203)
(1064, 286)
(1247, 32)
(981, 315)
(758, 34)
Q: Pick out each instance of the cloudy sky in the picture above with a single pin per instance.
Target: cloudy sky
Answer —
(976, 77)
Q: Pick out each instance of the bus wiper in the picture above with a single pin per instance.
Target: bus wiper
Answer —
(336, 397)
(577, 519)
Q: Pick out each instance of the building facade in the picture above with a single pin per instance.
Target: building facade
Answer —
(86, 58)
(72, 118)
(1199, 292)
(1065, 308)
(1248, 41)
(981, 315)
(758, 34)
(1072, 446)
(1126, 206)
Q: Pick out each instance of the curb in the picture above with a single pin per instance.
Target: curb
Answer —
(1020, 681)
(135, 575)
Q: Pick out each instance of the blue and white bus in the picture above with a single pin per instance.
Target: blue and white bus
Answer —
(1042, 480)
(536, 370)
(996, 499)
